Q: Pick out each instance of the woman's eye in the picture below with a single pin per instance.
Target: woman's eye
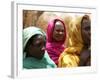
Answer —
(40, 44)
(60, 30)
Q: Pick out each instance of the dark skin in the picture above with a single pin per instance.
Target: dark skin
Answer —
(58, 33)
(36, 47)
(85, 58)
(86, 35)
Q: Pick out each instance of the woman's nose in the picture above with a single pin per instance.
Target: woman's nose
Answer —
(43, 48)
(60, 32)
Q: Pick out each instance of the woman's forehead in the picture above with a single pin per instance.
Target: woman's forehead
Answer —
(38, 39)
(59, 24)
(38, 36)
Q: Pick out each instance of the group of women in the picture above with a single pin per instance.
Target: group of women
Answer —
(48, 50)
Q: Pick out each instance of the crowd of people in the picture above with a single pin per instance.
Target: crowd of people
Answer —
(60, 45)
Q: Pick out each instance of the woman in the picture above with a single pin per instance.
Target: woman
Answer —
(35, 56)
(85, 55)
(56, 36)
(73, 56)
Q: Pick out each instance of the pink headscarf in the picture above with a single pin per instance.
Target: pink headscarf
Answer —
(54, 49)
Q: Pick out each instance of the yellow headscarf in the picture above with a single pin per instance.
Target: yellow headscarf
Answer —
(70, 56)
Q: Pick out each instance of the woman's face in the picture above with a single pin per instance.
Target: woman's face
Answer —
(59, 32)
(86, 31)
(37, 48)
